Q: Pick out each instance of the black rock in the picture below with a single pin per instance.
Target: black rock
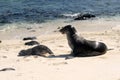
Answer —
(84, 16)
(6, 69)
(29, 38)
(31, 43)
(39, 50)
(0, 41)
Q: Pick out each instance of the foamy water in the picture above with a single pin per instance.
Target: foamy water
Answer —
(38, 11)
(58, 22)
(20, 30)
(36, 17)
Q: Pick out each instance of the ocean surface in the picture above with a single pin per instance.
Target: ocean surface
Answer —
(37, 11)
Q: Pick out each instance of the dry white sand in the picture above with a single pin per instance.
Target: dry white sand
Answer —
(104, 67)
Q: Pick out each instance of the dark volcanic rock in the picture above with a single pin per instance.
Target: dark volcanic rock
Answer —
(29, 38)
(7, 69)
(85, 16)
(31, 43)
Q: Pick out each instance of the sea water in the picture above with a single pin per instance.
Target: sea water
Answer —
(16, 13)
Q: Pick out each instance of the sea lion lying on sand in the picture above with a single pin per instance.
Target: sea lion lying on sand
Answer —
(80, 46)
(39, 50)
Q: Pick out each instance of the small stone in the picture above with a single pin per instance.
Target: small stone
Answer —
(29, 38)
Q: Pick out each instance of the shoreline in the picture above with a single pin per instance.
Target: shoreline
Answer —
(21, 30)
(104, 67)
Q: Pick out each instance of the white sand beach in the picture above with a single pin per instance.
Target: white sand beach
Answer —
(104, 67)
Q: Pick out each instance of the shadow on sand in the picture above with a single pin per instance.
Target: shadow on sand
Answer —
(65, 56)
(59, 56)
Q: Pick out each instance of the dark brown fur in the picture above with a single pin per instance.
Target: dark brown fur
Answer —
(39, 50)
(80, 46)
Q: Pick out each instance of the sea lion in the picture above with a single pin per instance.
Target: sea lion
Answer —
(40, 50)
(80, 46)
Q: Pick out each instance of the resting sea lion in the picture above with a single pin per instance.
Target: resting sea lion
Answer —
(80, 46)
(40, 50)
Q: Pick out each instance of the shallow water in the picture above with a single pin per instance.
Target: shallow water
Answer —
(49, 28)
(42, 10)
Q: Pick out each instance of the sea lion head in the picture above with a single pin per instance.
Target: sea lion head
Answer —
(67, 29)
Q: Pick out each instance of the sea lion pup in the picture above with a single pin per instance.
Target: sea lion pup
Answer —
(40, 50)
(80, 46)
